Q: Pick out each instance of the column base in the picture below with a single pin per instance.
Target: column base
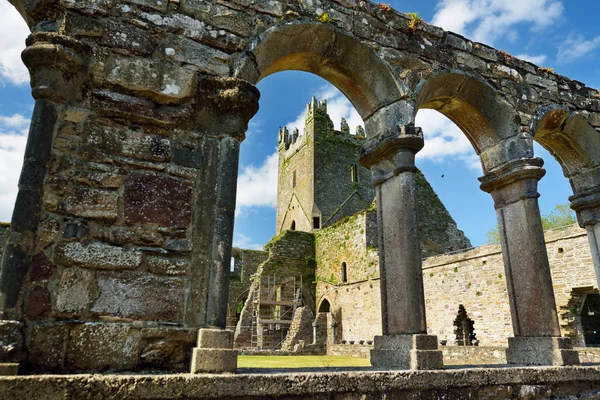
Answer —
(406, 352)
(214, 353)
(541, 350)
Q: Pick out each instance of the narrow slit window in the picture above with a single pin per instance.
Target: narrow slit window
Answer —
(354, 173)
(344, 273)
(294, 179)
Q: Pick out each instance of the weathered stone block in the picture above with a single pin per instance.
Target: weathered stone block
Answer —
(49, 230)
(167, 266)
(159, 199)
(38, 302)
(46, 346)
(207, 59)
(215, 339)
(406, 352)
(158, 5)
(524, 350)
(146, 147)
(11, 341)
(163, 81)
(102, 346)
(126, 36)
(214, 361)
(219, 16)
(41, 268)
(73, 293)
(166, 354)
(92, 203)
(198, 31)
(97, 256)
(138, 296)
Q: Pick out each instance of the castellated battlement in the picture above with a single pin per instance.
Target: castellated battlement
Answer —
(317, 125)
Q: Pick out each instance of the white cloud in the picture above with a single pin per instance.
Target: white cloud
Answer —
(536, 59)
(338, 107)
(576, 47)
(13, 137)
(444, 140)
(488, 20)
(245, 242)
(257, 186)
(13, 32)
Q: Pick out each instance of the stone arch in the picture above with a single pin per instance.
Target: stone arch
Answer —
(326, 51)
(490, 123)
(571, 140)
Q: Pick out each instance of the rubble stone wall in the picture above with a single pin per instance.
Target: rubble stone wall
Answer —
(4, 228)
(473, 278)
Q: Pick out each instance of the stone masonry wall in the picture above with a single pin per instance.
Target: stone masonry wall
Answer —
(246, 264)
(4, 228)
(474, 278)
(291, 255)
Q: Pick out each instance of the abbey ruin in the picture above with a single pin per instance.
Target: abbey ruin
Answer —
(338, 310)
(119, 247)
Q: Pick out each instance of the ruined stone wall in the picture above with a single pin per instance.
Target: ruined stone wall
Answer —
(353, 240)
(291, 256)
(4, 229)
(473, 278)
(246, 264)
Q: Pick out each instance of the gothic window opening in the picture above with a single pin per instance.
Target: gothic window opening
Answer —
(325, 306)
(294, 179)
(590, 320)
(464, 328)
(344, 273)
(354, 173)
(293, 226)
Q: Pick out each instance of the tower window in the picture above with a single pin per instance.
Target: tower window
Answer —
(316, 223)
(294, 178)
(354, 173)
(344, 273)
(293, 227)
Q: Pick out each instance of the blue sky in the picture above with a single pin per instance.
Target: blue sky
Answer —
(560, 34)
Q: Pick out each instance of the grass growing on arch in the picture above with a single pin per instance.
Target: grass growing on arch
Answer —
(301, 361)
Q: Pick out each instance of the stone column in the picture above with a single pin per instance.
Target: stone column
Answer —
(404, 343)
(49, 57)
(228, 106)
(537, 338)
(587, 206)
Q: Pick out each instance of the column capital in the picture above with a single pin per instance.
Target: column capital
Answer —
(513, 181)
(382, 147)
(56, 64)
(225, 105)
(587, 206)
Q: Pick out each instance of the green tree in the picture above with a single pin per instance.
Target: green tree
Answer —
(561, 216)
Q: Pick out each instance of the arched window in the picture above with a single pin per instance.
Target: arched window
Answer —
(293, 226)
(344, 273)
(325, 306)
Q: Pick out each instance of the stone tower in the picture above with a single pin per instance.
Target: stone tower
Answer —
(320, 180)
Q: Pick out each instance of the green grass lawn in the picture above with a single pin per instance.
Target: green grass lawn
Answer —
(301, 362)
